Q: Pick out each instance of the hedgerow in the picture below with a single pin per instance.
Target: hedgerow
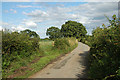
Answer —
(64, 43)
(104, 56)
(16, 45)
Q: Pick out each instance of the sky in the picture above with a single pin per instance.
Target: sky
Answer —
(60, 0)
(39, 16)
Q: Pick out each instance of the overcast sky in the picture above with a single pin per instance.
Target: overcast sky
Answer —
(38, 16)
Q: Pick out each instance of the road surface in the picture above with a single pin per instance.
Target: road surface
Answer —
(72, 65)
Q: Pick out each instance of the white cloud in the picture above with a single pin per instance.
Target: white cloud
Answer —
(84, 13)
(37, 13)
(30, 24)
(27, 6)
(90, 14)
(0, 28)
(4, 24)
(12, 27)
(24, 25)
(24, 6)
(27, 24)
(18, 28)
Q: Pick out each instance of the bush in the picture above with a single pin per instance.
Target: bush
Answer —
(83, 39)
(16, 44)
(104, 53)
(62, 43)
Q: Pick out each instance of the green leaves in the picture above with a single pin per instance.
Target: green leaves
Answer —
(104, 52)
(73, 29)
(69, 29)
(53, 33)
(62, 43)
(17, 44)
(30, 33)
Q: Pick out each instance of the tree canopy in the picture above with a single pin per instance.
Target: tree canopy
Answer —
(30, 33)
(53, 32)
(73, 29)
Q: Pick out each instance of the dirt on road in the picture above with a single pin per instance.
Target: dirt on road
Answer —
(72, 65)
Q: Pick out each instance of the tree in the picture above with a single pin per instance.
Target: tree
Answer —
(53, 32)
(30, 33)
(73, 29)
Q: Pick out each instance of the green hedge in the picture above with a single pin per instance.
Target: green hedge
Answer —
(16, 45)
(64, 43)
(61, 43)
(104, 59)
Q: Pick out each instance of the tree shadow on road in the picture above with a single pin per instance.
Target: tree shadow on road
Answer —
(84, 64)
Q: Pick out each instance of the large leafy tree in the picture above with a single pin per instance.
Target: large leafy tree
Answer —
(53, 32)
(30, 33)
(73, 29)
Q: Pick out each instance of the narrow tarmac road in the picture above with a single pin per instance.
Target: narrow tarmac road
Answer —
(72, 65)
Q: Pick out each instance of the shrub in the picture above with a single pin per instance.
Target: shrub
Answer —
(16, 44)
(104, 53)
(62, 43)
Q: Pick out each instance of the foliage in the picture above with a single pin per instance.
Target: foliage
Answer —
(50, 53)
(45, 39)
(104, 53)
(64, 43)
(53, 33)
(73, 29)
(16, 45)
(30, 33)
(88, 40)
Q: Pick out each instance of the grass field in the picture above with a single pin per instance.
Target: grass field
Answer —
(25, 67)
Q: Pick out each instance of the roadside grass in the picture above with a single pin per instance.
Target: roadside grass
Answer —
(25, 67)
